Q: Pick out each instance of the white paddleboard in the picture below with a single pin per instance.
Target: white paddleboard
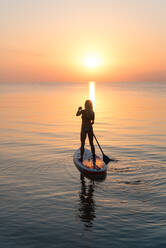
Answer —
(87, 168)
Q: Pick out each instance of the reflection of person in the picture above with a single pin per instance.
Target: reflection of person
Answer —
(88, 117)
(87, 204)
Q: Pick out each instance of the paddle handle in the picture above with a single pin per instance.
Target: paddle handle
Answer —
(98, 144)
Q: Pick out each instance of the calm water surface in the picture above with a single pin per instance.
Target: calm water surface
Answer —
(44, 203)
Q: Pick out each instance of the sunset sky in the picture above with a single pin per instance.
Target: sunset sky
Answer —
(82, 40)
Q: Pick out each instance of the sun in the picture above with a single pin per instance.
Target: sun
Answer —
(92, 61)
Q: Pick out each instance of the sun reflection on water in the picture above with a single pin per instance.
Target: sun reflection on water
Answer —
(92, 92)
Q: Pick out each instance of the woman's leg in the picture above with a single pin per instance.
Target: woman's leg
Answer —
(83, 138)
(90, 136)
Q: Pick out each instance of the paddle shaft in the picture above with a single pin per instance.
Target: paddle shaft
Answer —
(98, 144)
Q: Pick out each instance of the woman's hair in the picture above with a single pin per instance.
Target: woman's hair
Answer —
(89, 105)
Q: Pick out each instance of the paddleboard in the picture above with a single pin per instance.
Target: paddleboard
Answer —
(87, 168)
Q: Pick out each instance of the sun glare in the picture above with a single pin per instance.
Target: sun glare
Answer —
(92, 61)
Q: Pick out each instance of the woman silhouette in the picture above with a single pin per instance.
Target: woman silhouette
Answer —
(88, 117)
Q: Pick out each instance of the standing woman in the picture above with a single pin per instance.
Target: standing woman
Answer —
(88, 117)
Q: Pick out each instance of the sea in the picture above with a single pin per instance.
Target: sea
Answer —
(44, 203)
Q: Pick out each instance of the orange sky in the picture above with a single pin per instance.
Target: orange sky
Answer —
(47, 40)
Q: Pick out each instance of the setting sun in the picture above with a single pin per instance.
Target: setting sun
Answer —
(92, 61)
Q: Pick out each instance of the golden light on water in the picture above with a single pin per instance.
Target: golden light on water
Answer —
(92, 92)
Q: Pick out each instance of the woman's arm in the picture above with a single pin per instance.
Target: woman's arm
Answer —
(93, 118)
(79, 111)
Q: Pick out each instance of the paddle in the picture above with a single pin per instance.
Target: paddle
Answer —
(106, 159)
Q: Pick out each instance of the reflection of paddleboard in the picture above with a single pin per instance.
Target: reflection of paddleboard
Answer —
(87, 168)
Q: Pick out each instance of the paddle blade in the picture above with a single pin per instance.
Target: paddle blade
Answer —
(106, 159)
